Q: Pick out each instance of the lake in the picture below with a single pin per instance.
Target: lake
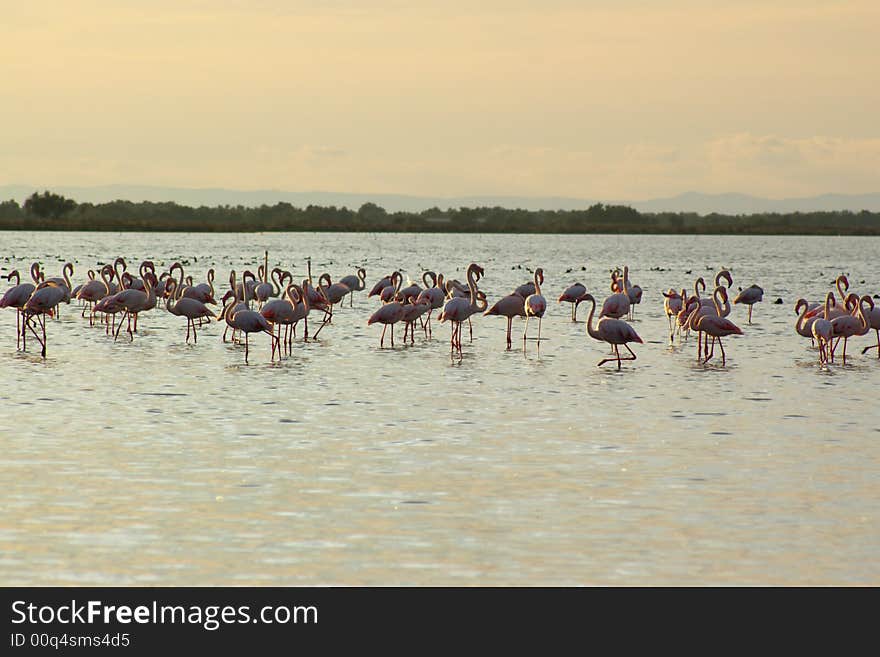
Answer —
(156, 462)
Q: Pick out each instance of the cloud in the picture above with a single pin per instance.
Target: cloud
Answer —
(783, 166)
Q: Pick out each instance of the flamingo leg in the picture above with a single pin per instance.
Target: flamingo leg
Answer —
(392, 335)
(509, 329)
(750, 313)
(876, 346)
(709, 355)
(246, 348)
(605, 360)
(118, 328)
(382, 337)
(630, 351)
(526, 330)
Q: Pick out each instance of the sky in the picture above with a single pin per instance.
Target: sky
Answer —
(602, 99)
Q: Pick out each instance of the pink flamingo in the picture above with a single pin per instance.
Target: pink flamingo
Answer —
(525, 289)
(848, 326)
(355, 283)
(804, 324)
(264, 290)
(411, 312)
(282, 312)
(135, 301)
(874, 321)
(16, 297)
(380, 285)
(458, 309)
(719, 309)
(334, 293)
(42, 302)
(190, 308)
(717, 326)
(535, 305)
(95, 290)
(64, 282)
(513, 305)
(634, 292)
(411, 290)
(247, 321)
(823, 333)
(673, 302)
(614, 331)
(388, 313)
(572, 295)
(616, 305)
(435, 293)
(203, 292)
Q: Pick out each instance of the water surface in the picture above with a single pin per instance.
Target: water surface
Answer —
(155, 462)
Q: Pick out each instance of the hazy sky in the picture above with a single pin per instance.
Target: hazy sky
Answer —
(604, 99)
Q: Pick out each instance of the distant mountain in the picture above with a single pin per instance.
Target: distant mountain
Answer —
(687, 202)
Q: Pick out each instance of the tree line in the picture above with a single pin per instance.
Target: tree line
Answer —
(49, 211)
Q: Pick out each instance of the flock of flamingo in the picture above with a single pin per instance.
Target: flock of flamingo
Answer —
(271, 302)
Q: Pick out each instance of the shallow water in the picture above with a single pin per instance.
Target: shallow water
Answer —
(154, 462)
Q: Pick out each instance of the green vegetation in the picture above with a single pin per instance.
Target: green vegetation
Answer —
(49, 211)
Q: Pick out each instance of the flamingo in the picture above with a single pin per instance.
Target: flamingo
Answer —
(682, 320)
(821, 330)
(535, 305)
(411, 290)
(380, 285)
(847, 326)
(874, 322)
(190, 308)
(264, 290)
(750, 296)
(411, 312)
(572, 295)
(634, 292)
(389, 313)
(727, 276)
(673, 302)
(513, 305)
(823, 333)
(355, 283)
(16, 297)
(804, 324)
(717, 325)
(63, 281)
(247, 321)
(41, 303)
(135, 301)
(525, 289)
(611, 330)
(457, 309)
(95, 290)
(435, 294)
(203, 292)
(282, 312)
(616, 305)
(334, 293)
